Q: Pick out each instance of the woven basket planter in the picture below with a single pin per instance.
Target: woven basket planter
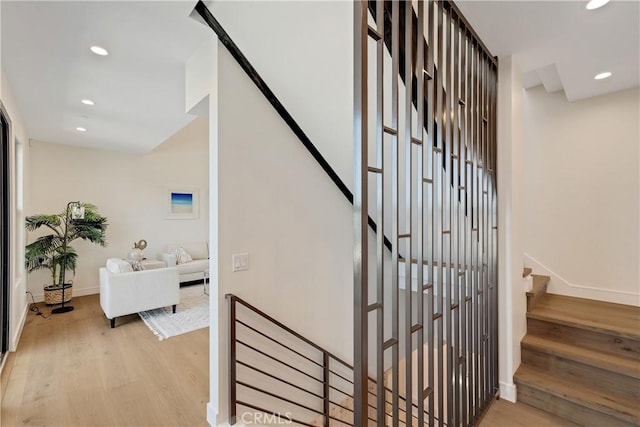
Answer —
(53, 295)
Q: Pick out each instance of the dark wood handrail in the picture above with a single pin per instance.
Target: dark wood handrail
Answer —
(326, 356)
(234, 298)
(262, 86)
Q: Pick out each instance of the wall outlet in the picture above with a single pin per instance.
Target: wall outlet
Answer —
(240, 262)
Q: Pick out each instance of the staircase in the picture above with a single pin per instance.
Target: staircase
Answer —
(580, 359)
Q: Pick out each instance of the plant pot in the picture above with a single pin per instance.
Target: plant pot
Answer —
(53, 294)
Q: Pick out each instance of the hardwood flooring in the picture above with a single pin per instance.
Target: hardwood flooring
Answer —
(507, 414)
(72, 369)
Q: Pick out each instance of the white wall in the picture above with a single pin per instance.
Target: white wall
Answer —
(582, 193)
(276, 204)
(19, 154)
(313, 71)
(511, 289)
(129, 189)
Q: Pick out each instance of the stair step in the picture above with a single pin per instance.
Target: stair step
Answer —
(617, 374)
(589, 406)
(614, 319)
(538, 290)
(605, 361)
(526, 272)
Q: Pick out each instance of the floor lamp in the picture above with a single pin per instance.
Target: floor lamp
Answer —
(77, 212)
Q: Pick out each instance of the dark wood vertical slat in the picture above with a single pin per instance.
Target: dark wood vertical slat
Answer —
(395, 189)
(455, 227)
(494, 120)
(380, 183)
(430, 119)
(486, 231)
(405, 138)
(360, 205)
(464, 420)
(420, 173)
(439, 284)
(474, 238)
(447, 203)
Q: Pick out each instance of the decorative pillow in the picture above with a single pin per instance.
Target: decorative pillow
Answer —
(136, 265)
(197, 250)
(182, 256)
(116, 265)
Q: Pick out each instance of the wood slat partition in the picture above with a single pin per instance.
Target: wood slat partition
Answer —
(438, 320)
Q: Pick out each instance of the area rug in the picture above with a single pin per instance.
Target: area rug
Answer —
(192, 314)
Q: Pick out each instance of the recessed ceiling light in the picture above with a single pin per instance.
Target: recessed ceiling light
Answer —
(99, 50)
(594, 4)
(602, 75)
(88, 102)
(81, 129)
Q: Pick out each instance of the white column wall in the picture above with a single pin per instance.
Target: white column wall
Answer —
(511, 289)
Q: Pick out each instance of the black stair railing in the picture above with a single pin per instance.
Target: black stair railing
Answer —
(419, 40)
(262, 86)
(277, 374)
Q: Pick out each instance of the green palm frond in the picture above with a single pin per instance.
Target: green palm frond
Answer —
(49, 251)
(34, 222)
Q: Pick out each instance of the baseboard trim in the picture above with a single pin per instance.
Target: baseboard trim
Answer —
(212, 415)
(508, 391)
(80, 292)
(562, 286)
(18, 333)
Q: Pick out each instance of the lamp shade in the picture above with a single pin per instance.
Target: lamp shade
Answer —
(77, 211)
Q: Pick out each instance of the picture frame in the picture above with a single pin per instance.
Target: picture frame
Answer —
(182, 203)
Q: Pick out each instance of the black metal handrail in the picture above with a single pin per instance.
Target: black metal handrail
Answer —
(311, 401)
(262, 86)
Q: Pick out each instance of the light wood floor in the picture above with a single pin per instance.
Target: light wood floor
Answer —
(73, 370)
(507, 414)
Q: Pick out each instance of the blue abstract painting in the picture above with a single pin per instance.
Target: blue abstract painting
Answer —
(181, 203)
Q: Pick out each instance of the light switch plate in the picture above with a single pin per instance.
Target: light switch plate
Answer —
(240, 262)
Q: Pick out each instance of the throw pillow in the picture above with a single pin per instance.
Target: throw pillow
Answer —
(136, 265)
(116, 265)
(182, 256)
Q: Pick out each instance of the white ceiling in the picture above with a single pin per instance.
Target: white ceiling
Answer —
(138, 88)
(561, 44)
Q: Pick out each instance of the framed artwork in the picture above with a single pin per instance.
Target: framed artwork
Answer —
(182, 204)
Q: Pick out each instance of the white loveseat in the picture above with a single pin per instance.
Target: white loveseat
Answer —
(124, 291)
(189, 271)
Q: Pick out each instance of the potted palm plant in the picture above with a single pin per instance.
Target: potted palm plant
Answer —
(52, 251)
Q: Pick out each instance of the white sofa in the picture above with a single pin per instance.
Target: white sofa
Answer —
(189, 271)
(124, 291)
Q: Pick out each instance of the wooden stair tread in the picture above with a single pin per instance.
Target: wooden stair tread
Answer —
(526, 272)
(606, 361)
(616, 406)
(539, 282)
(615, 319)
